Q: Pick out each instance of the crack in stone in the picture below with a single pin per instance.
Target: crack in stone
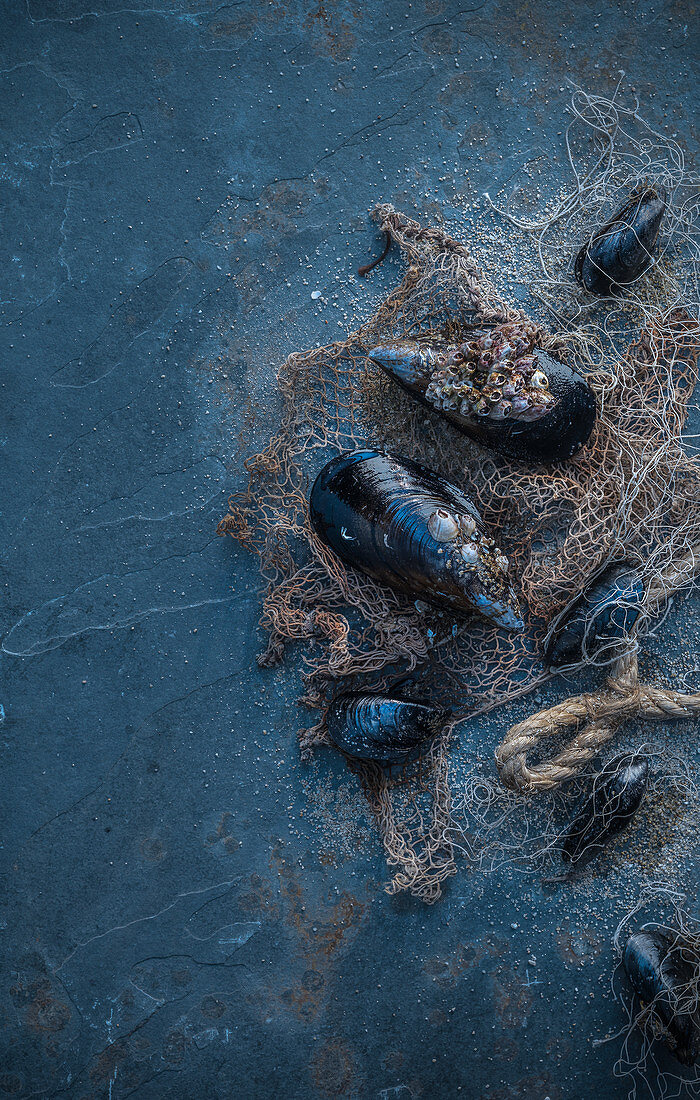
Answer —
(115, 763)
(225, 885)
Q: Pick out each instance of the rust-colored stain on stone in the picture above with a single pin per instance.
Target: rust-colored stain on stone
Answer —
(332, 1069)
(578, 946)
(43, 1010)
(512, 1000)
(331, 32)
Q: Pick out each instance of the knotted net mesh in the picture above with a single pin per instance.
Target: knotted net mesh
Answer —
(632, 492)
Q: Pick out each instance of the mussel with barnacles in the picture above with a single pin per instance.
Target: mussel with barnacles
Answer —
(599, 620)
(618, 790)
(389, 731)
(665, 975)
(623, 249)
(497, 387)
(401, 524)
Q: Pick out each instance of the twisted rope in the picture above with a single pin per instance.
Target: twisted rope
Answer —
(595, 716)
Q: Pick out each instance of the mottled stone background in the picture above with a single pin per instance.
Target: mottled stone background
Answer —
(189, 911)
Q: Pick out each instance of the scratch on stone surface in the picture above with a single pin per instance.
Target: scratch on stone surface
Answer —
(227, 934)
(66, 609)
(198, 506)
(62, 232)
(177, 956)
(184, 16)
(111, 132)
(111, 413)
(226, 884)
(131, 319)
(150, 490)
(378, 125)
(113, 765)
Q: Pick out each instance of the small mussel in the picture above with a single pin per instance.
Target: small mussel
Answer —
(659, 967)
(498, 388)
(403, 525)
(618, 790)
(390, 731)
(600, 619)
(624, 248)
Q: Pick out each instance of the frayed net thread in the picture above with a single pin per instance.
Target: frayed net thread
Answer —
(631, 493)
(643, 1060)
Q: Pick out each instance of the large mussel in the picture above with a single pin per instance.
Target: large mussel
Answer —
(599, 620)
(666, 978)
(499, 388)
(403, 525)
(390, 731)
(618, 790)
(623, 249)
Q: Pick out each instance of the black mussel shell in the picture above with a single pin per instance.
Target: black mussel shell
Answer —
(599, 620)
(390, 731)
(624, 248)
(554, 437)
(618, 790)
(403, 525)
(666, 980)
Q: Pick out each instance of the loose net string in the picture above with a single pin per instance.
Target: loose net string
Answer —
(643, 1061)
(632, 492)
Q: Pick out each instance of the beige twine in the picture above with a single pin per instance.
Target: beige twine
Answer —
(631, 494)
(596, 716)
(422, 869)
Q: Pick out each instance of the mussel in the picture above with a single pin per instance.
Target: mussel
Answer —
(623, 249)
(403, 525)
(599, 620)
(618, 790)
(390, 731)
(498, 388)
(659, 967)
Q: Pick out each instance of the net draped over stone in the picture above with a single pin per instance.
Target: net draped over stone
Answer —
(631, 493)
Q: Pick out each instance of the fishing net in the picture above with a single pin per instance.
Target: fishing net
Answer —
(647, 1035)
(632, 493)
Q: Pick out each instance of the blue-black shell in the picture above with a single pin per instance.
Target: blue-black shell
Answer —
(555, 437)
(666, 979)
(618, 790)
(599, 620)
(390, 731)
(373, 510)
(623, 249)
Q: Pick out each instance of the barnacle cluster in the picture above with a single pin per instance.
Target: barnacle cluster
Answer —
(495, 375)
(467, 548)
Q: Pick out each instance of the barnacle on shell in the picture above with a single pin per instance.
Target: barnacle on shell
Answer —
(503, 383)
(499, 387)
(393, 511)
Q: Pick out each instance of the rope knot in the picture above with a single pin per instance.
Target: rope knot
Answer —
(596, 718)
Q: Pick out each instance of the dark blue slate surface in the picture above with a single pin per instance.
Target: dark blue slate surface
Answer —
(176, 180)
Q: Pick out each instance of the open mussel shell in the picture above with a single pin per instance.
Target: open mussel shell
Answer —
(623, 249)
(599, 621)
(666, 980)
(618, 790)
(558, 430)
(390, 518)
(389, 731)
